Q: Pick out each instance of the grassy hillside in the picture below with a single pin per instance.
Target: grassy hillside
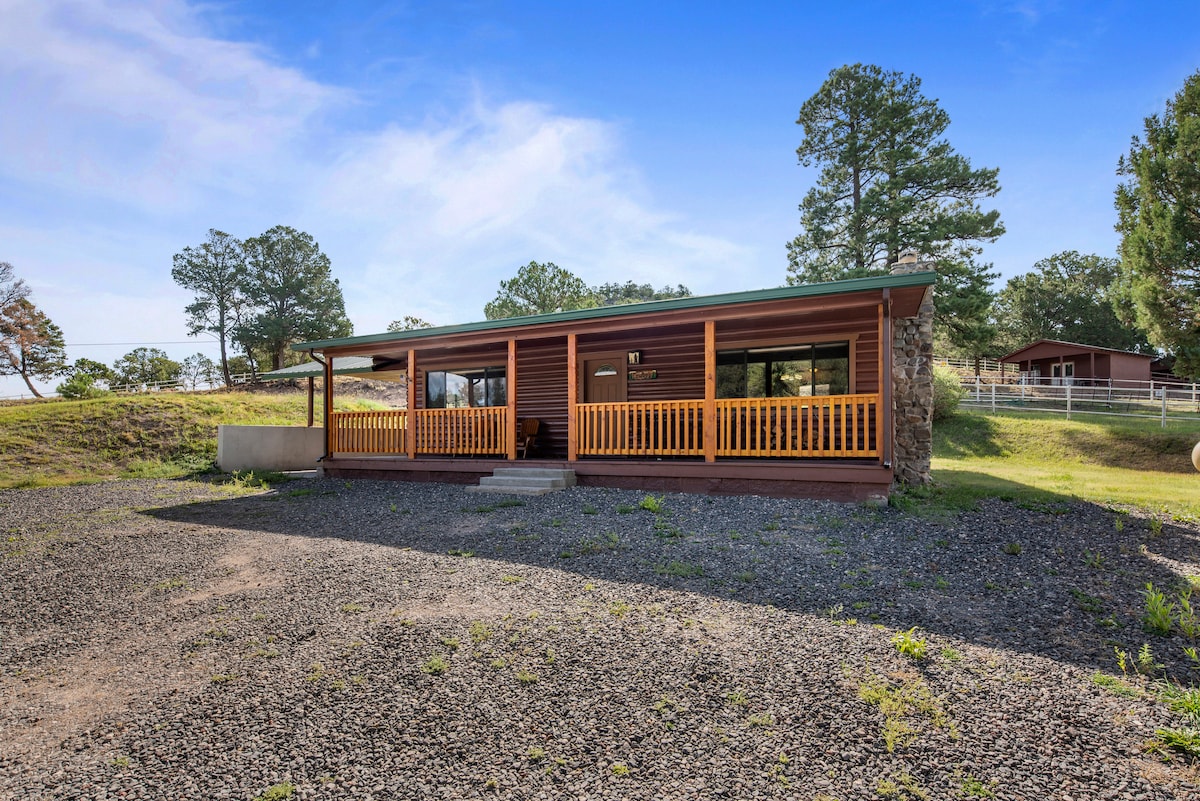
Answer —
(1036, 459)
(1105, 460)
(170, 434)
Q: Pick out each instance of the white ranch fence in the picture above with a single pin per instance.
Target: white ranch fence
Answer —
(1162, 400)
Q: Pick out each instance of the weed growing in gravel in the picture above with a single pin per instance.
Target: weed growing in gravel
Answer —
(1155, 528)
(901, 705)
(277, 792)
(1012, 548)
(652, 504)
(511, 579)
(1185, 741)
(1117, 686)
(121, 762)
(974, 788)
(436, 665)
(624, 509)
(909, 644)
(167, 585)
(1087, 603)
(353, 608)
(618, 608)
(1160, 613)
(905, 787)
(950, 655)
(480, 632)
(676, 569)
(451, 643)
(1093, 560)
(535, 754)
(761, 720)
(526, 677)
(737, 698)
(460, 552)
(619, 769)
(588, 509)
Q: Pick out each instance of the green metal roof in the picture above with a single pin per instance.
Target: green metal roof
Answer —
(695, 302)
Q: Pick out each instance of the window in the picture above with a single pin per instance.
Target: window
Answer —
(483, 386)
(787, 371)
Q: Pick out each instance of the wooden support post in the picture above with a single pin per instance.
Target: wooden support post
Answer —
(510, 384)
(572, 398)
(410, 431)
(327, 404)
(710, 391)
(311, 395)
(879, 433)
(889, 413)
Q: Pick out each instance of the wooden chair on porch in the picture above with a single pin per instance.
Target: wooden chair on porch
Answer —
(527, 432)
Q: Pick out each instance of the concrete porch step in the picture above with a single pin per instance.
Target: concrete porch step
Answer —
(525, 480)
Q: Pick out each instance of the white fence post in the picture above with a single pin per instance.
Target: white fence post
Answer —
(993, 398)
(1164, 408)
(1068, 401)
(977, 389)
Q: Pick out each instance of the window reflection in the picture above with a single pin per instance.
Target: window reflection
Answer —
(787, 371)
(475, 387)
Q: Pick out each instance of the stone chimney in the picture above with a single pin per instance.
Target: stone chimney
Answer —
(912, 383)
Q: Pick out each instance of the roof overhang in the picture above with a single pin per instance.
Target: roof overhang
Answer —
(1052, 348)
(906, 292)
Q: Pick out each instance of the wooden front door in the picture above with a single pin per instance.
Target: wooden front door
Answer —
(604, 380)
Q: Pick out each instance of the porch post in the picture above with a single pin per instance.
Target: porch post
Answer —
(327, 404)
(889, 426)
(311, 394)
(510, 383)
(710, 391)
(572, 398)
(879, 408)
(410, 430)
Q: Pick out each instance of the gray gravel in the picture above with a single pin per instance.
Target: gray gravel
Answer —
(172, 640)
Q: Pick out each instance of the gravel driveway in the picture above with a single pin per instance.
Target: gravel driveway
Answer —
(371, 640)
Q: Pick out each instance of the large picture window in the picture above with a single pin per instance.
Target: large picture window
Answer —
(483, 386)
(785, 371)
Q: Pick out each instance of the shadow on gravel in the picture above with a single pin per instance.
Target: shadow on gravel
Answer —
(1052, 577)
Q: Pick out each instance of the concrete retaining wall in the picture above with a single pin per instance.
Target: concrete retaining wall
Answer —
(269, 447)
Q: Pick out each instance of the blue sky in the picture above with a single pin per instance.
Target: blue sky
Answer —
(432, 148)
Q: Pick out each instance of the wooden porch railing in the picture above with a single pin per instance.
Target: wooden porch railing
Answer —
(369, 432)
(465, 432)
(820, 426)
(469, 432)
(648, 428)
(824, 425)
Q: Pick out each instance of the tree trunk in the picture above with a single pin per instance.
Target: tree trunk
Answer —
(29, 384)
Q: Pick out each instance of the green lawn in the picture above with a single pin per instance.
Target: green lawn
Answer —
(1040, 458)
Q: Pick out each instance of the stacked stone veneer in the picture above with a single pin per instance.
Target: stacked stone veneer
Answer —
(912, 386)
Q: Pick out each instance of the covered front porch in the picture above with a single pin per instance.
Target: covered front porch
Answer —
(783, 392)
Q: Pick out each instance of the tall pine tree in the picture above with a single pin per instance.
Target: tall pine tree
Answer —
(1159, 223)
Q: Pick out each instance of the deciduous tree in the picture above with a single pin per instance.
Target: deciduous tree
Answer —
(1068, 296)
(142, 366)
(614, 294)
(294, 297)
(31, 345)
(215, 270)
(1159, 221)
(408, 323)
(539, 289)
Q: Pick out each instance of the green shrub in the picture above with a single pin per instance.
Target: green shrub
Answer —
(80, 386)
(947, 392)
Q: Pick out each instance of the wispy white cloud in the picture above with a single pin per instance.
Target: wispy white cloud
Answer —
(133, 102)
(138, 106)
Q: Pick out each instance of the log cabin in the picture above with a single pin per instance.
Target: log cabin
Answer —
(819, 390)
